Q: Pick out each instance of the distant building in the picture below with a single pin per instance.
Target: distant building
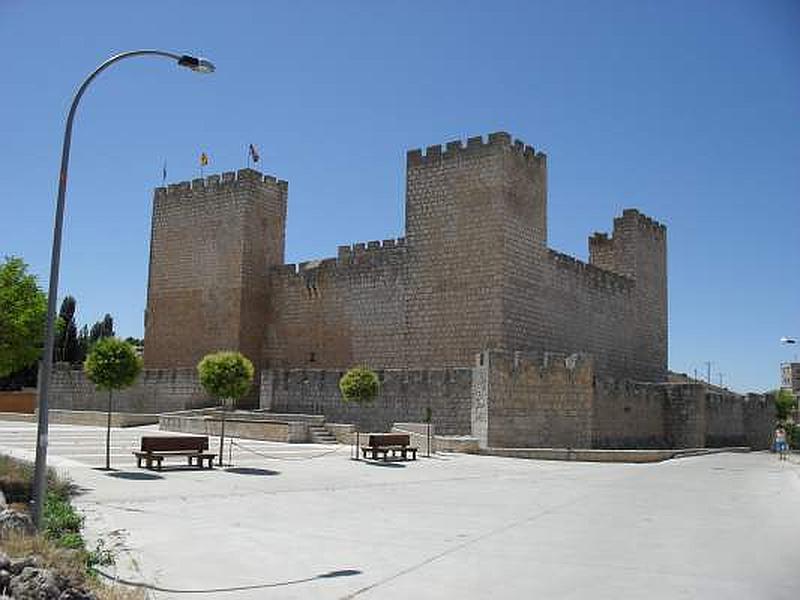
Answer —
(790, 377)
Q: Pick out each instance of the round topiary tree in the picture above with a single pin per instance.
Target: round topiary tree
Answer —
(226, 376)
(359, 386)
(112, 365)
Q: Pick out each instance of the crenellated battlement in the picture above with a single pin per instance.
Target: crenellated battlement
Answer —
(642, 221)
(591, 274)
(365, 251)
(475, 146)
(217, 182)
(368, 254)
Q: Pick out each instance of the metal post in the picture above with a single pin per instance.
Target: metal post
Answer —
(40, 469)
(108, 434)
(222, 433)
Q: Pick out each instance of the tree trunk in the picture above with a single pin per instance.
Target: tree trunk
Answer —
(108, 434)
(222, 434)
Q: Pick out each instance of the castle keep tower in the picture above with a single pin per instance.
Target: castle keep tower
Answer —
(213, 243)
(470, 210)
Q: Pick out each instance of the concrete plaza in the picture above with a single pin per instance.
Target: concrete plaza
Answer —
(305, 521)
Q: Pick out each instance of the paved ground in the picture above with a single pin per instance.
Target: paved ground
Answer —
(723, 526)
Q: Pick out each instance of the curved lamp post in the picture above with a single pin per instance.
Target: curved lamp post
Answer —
(199, 65)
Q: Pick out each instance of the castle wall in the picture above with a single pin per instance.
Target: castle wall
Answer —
(537, 404)
(627, 414)
(759, 417)
(155, 391)
(404, 397)
(724, 420)
(527, 400)
(342, 311)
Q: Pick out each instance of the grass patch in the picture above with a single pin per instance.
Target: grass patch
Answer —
(16, 481)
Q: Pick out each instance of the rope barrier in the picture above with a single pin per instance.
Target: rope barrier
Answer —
(273, 457)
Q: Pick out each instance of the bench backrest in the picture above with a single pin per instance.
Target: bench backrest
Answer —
(174, 443)
(389, 439)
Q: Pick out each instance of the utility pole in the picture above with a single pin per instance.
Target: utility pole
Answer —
(708, 364)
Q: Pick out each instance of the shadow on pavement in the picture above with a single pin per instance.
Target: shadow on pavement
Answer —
(134, 475)
(381, 463)
(251, 471)
(238, 588)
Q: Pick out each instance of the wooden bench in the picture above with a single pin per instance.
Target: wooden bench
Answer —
(384, 443)
(157, 447)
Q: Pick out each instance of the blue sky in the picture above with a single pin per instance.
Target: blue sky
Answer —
(688, 110)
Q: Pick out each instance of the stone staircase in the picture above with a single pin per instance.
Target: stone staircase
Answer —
(320, 435)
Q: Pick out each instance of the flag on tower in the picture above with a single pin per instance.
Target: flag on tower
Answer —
(203, 159)
(254, 154)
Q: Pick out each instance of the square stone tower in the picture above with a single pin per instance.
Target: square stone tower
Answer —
(213, 243)
(470, 212)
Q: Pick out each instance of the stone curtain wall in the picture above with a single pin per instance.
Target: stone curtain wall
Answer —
(337, 312)
(404, 397)
(505, 400)
(542, 404)
(627, 414)
(759, 418)
(155, 391)
(552, 401)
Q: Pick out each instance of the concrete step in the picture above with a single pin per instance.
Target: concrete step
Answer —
(320, 435)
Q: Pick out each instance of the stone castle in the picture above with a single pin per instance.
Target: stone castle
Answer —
(473, 272)
(470, 318)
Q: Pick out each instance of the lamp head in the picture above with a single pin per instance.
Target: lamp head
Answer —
(196, 64)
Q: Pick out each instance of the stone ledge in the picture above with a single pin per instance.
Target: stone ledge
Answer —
(608, 456)
(92, 418)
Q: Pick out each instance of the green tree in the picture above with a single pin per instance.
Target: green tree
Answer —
(228, 377)
(112, 365)
(101, 329)
(67, 348)
(785, 402)
(359, 385)
(23, 307)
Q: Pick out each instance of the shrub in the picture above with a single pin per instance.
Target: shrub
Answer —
(226, 375)
(112, 364)
(359, 385)
(62, 523)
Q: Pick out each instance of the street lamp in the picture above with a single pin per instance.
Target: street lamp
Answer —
(199, 65)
